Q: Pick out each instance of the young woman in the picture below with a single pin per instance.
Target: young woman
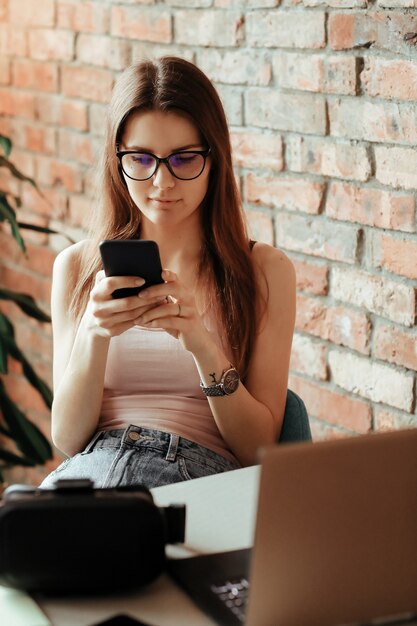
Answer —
(189, 377)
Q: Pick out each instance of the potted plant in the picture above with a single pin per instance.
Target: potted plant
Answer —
(21, 441)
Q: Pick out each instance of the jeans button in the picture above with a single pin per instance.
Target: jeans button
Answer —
(133, 435)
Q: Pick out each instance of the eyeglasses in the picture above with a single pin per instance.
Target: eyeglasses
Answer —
(185, 165)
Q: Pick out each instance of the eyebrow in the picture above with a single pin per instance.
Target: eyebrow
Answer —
(187, 147)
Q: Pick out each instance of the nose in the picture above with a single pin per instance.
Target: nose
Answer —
(163, 179)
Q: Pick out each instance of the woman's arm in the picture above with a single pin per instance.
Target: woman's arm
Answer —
(252, 416)
(80, 350)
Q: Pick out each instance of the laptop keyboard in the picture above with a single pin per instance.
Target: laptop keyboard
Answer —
(234, 595)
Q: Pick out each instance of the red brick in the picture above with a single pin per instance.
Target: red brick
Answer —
(338, 324)
(208, 27)
(381, 30)
(260, 226)
(308, 356)
(333, 407)
(40, 260)
(396, 166)
(39, 139)
(47, 44)
(52, 203)
(108, 51)
(311, 277)
(337, 4)
(22, 159)
(87, 83)
(390, 78)
(294, 194)
(373, 380)
(396, 345)
(232, 100)
(394, 4)
(53, 109)
(322, 156)
(29, 13)
(97, 118)
(32, 236)
(17, 103)
(24, 394)
(257, 149)
(373, 120)
(4, 10)
(244, 67)
(13, 41)
(148, 24)
(5, 72)
(52, 172)
(371, 206)
(35, 75)
(302, 113)
(378, 294)
(281, 29)
(90, 17)
(27, 283)
(386, 419)
(79, 210)
(318, 237)
(394, 254)
(316, 72)
(76, 146)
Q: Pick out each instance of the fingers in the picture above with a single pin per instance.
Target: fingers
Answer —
(169, 313)
(105, 285)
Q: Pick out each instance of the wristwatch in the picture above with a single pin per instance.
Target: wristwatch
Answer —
(227, 385)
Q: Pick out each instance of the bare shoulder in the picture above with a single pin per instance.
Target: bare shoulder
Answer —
(274, 265)
(66, 271)
(68, 262)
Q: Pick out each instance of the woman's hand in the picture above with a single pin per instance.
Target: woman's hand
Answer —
(110, 316)
(172, 306)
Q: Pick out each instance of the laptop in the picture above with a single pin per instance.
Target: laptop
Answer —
(335, 540)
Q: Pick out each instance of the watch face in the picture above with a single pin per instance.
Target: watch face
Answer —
(231, 381)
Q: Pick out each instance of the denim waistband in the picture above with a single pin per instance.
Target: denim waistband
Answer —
(168, 444)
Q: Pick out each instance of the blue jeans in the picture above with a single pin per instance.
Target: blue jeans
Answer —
(139, 456)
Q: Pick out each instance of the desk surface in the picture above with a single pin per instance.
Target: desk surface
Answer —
(220, 516)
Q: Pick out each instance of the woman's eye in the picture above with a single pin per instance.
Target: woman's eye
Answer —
(142, 159)
(182, 159)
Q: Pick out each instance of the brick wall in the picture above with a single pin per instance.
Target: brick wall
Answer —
(320, 96)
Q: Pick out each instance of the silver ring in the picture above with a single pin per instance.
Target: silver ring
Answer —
(179, 310)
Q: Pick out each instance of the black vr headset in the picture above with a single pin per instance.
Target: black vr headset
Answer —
(77, 539)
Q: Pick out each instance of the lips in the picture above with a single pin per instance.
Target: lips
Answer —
(163, 200)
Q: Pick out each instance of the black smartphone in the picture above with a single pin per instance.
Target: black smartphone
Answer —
(131, 257)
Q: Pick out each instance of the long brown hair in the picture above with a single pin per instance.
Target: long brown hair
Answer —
(225, 268)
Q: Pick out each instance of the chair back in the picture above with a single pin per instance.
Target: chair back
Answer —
(296, 426)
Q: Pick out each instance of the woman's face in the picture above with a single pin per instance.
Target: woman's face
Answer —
(163, 199)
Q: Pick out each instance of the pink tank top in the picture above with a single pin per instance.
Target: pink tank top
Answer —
(152, 381)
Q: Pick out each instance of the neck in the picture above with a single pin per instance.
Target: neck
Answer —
(179, 248)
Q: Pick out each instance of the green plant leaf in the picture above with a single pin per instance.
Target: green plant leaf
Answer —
(44, 229)
(27, 437)
(4, 162)
(30, 374)
(13, 459)
(6, 144)
(8, 213)
(26, 303)
(3, 358)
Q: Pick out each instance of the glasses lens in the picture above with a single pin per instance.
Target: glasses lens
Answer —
(138, 165)
(186, 165)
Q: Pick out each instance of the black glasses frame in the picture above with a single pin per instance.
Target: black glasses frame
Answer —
(165, 160)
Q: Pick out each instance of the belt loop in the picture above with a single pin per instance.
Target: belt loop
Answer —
(89, 447)
(173, 447)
